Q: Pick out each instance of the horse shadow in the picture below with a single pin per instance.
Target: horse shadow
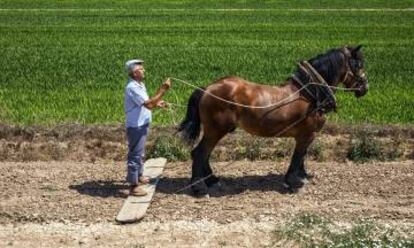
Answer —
(180, 186)
(229, 185)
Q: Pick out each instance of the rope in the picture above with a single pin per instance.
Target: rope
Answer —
(261, 107)
(204, 178)
(190, 185)
(183, 188)
(247, 106)
(177, 105)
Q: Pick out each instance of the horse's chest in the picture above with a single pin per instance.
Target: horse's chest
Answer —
(317, 120)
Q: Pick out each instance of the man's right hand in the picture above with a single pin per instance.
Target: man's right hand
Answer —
(167, 84)
(162, 104)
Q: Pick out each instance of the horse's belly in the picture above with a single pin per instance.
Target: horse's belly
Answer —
(264, 128)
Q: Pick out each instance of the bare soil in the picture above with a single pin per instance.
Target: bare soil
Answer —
(62, 186)
(60, 204)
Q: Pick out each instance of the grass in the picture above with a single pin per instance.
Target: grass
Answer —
(363, 147)
(169, 147)
(310, 230)
(216, 4)
(62, 62)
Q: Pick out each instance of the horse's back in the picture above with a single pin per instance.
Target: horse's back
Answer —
(233, 80)
(234, 101)
(242, 91)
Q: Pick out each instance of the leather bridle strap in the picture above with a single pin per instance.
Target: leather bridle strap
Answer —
(302, 85)
(349, 71)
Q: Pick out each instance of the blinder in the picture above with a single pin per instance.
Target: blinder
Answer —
(358, 77)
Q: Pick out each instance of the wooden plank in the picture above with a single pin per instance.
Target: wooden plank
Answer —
(135, 207)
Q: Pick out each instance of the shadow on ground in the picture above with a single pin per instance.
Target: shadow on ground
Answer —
(102, 188)
(226, 186)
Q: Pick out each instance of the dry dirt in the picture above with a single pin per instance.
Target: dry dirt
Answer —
(60, 204)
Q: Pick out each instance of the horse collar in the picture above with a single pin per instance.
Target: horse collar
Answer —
(323, 97)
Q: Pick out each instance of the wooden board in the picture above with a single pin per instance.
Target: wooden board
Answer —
(135, 207)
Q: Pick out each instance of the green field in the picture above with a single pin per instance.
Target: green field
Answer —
(62, 61)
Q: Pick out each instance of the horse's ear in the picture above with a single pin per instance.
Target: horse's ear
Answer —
(357, 48)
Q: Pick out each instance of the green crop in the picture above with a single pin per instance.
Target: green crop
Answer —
(63, 61)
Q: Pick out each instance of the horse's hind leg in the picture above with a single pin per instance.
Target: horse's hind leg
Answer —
(201, 167)
(296, 175)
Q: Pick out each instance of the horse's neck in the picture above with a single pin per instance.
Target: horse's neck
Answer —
(331, 68)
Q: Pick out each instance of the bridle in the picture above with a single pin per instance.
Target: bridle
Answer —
(353, 70)
(323, 91)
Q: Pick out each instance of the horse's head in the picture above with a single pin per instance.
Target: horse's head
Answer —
(355, 76)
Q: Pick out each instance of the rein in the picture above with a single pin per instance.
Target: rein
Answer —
(328, 103)
(247, 106)
(259, 107)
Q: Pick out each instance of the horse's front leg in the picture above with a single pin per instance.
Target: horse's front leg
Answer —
(296, 175)
(212, 179)
(303, 173)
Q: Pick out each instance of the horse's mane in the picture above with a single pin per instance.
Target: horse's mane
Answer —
(327, 64)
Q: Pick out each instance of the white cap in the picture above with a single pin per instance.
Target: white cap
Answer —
(131, 63)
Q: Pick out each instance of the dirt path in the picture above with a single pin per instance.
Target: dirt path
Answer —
(72, 204)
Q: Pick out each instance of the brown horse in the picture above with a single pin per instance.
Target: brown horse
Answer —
(232, 102)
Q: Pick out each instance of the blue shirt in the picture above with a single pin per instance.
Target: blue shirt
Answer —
(136, 113)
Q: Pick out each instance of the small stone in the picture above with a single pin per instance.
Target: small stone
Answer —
(82, 241)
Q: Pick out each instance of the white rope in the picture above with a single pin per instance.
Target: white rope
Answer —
(261, 107)
(177, 105)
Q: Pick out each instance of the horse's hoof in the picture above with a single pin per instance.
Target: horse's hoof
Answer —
(211, 181)
(290, 190)
(199, 190)
(201, 193)
(206, 196)
(294, 182)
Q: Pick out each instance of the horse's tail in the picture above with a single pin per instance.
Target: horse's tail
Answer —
(190, 126)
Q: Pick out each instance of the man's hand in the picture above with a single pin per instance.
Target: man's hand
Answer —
(167, 84)
(162, 104)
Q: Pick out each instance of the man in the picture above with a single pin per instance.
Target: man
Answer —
(138, 118)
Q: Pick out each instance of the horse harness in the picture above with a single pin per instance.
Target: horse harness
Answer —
(317, 89)
(320, 94)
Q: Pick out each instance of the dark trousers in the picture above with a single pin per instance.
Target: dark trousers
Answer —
(136, 152)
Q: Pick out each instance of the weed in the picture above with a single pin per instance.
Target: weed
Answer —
(168, 147)
(363, 147)
(283, 149)
(315, 150)
(393, 150)
(310, 230)
(253, 150)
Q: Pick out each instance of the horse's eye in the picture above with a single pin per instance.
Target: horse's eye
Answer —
(355, 64)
